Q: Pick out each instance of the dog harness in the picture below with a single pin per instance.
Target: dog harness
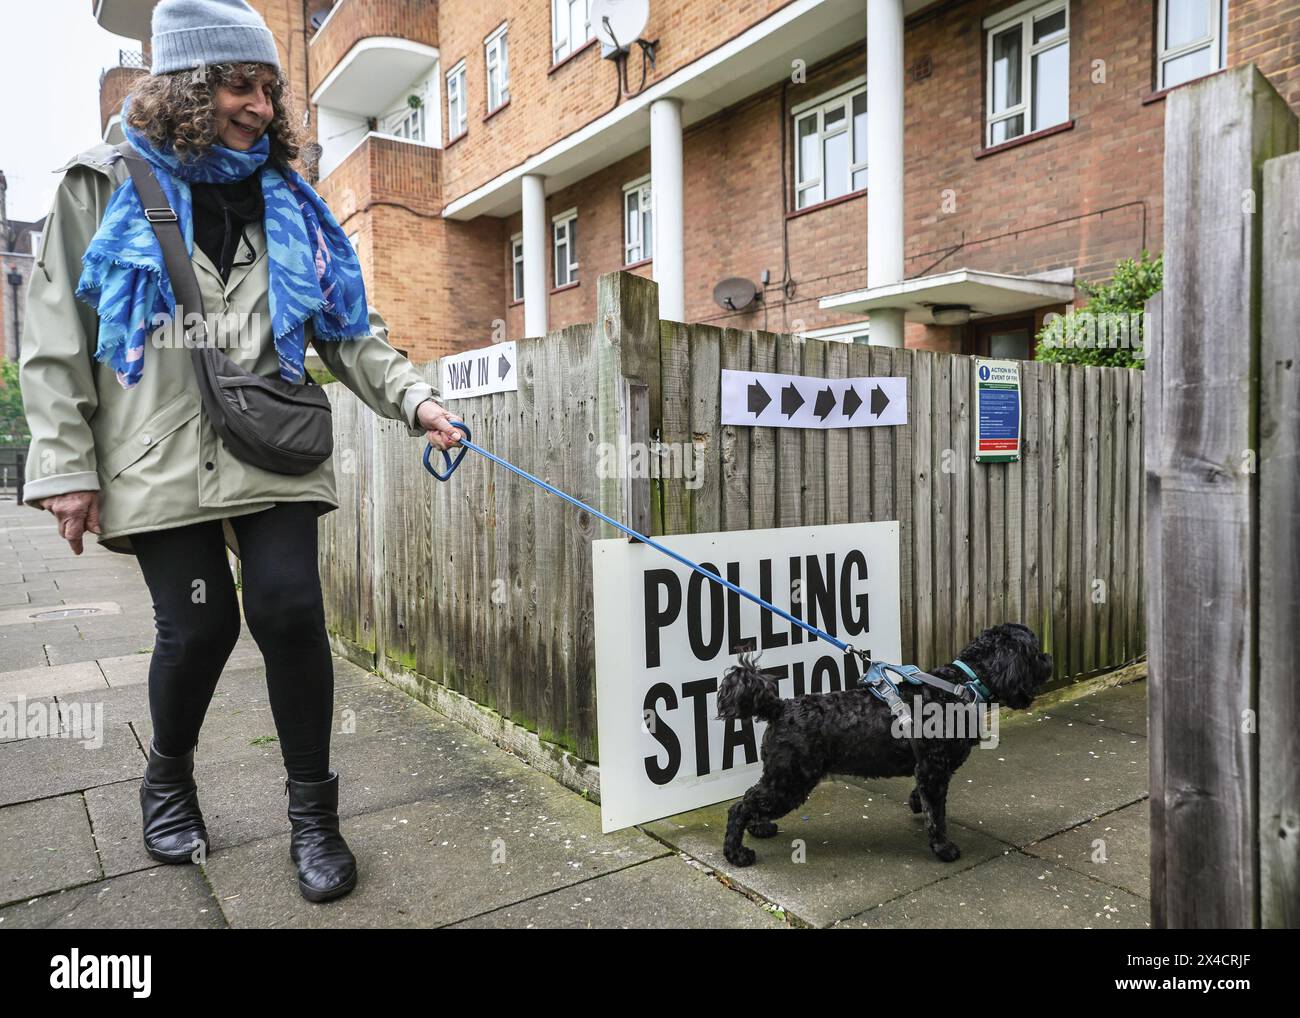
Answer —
(883, 688)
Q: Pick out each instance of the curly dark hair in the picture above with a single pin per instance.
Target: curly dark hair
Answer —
(178, 108)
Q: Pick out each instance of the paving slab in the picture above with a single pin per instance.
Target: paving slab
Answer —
(164, 897)
(1012, 892)
(64, 651)
(36, 768)
(845, 850)
(1046, 775)
(41, 681)
(1114, 849)
(1123, 708)
(21, 718)
(125, 669)
(44, 846)
(670, 893)
(426, 864)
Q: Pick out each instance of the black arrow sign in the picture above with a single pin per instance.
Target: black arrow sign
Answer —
(825, 404)
(878, 401)
(791, 400)
(851, 402)
(758, 398)
(503, 367)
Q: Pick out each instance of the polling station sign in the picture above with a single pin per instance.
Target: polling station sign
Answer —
(997, 411)
(665, 634)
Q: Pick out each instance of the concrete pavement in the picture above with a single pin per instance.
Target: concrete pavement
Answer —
(450, 830)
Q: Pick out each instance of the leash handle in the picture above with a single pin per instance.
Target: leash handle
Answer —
(448, 462)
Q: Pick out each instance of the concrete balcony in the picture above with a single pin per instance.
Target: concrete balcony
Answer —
(384, 169)
(379, 25)
(130, 18)
(114, 83)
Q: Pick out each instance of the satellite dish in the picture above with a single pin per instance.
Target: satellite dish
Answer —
(618, 23)
(735, 293)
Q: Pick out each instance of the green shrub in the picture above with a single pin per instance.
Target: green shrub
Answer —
(1108, 331)
(13, 422)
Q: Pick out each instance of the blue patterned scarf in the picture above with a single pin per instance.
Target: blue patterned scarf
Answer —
(313, 270)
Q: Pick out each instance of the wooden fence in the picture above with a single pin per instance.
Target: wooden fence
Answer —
(1223, 505)
(484, 584)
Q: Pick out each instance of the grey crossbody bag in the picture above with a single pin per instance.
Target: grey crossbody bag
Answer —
(280, 426)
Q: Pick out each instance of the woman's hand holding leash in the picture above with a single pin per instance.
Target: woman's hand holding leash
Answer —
(438, 424)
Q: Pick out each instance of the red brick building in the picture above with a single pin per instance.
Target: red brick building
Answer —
(490, 162)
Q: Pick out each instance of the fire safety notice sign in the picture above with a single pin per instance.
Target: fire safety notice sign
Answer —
(997, 411)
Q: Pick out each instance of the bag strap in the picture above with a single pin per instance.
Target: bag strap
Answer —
(180, 270)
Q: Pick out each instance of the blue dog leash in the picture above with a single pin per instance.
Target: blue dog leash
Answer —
(875, 678)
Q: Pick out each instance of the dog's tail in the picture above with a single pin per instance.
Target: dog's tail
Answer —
(748, 692)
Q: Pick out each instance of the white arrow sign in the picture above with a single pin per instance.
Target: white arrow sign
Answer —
(761, 399)
(480, 372)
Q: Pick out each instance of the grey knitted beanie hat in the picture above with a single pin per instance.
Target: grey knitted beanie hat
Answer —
(187, 33)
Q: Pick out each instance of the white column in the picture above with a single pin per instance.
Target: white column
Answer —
(536, 244)
(666, 182)
(885, 161)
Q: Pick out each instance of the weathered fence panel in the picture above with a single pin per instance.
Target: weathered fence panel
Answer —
(1220, 510)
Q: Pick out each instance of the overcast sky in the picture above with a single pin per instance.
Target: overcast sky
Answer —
(49, 93)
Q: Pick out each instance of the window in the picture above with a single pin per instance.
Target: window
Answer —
(457, 115)
(564, 231)
(830, 146)
(498, 69)
(857, 332)
(1028, 63)
(570, 27)
(517, 262)
(1192, 40)
(409, 125)
(638, 224)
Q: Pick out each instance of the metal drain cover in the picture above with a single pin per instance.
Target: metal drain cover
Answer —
(63, 613)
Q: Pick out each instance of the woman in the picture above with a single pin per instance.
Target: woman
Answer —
(121, 447)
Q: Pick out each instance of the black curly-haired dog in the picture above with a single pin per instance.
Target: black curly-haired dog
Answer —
(851, 732)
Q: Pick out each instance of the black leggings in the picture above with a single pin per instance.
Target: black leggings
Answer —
(197, 617)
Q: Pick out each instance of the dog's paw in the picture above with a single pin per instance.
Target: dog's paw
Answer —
(914, 800)
(763, 828)
(741, 856)
(946, 851)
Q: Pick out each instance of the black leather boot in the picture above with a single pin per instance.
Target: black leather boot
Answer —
(326, 866)
(169, 804)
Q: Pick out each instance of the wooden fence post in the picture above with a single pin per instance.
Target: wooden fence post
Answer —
(1279, 568)
(628, 402)
(1203, 667)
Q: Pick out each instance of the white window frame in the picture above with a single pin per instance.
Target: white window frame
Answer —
(517, 266)
(638, 240)
(1025, 14)
(817, 109)
(496, 57)
(561, 45)
(1217, 40)
(561, 234)
(840, 333)
(457, 109)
